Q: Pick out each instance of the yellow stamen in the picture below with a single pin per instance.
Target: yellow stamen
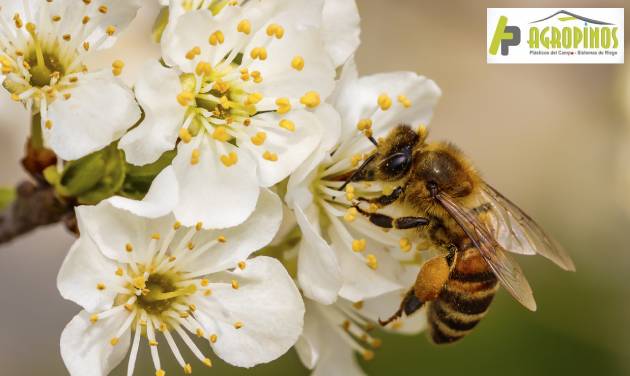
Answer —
(297, 63)
(404, 101)
(185, 135)
(259, 138)
(405, 245)
(128, 247)
(185, 97)
(216, 38)
(259, 53)
(270, 156)
(114, 341)
(238, 325)
(351, 215)
(242, 265)
(284, 105)
(372, 262)
(187, 369)
(221, 134)
(230, 159)
(310, 99)
(100, 286)
(384, 102)
(193, 53)
(93, 319)
(244, 27)
(235, 284)
(364, 124)
(287, 124)
(358, 245)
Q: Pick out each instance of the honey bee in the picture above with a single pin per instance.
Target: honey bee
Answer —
(460, 214)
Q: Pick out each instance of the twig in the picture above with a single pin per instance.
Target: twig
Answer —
(34, 206)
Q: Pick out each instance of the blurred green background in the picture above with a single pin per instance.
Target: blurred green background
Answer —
(553, 138)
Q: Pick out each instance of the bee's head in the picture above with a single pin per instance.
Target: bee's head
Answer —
(393, 157)
(442, 168)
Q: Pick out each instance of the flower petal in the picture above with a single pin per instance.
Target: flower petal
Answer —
(211, 193)
(341, 29)
(319, 275)
(112, 229)
(158, 202)
(290, 147)
(268, 305)
(82, 270)
(357, 99)
(241, 241)
(99, 111)
(86, 348)
(156, 90)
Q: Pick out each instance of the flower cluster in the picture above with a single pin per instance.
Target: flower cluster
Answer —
(233, 142)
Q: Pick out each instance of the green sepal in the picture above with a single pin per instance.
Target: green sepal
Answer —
(112, 177)
(139, 178)
(82, 175)
(160, 24)
(7, 196)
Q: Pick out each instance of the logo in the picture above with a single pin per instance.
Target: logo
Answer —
(566, 36)
(506, 36)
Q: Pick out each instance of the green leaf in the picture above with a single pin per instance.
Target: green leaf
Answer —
(7, 196)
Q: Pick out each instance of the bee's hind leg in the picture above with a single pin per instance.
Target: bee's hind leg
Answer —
(409, 305)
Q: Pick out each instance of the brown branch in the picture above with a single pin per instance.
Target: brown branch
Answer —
(33, 207)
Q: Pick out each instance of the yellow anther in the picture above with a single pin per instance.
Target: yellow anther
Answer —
(368, 355)
(194, 156)
(114, 341)
(351, 214)
(30, 27)
(220, 134)
(203, 69)
(199, 333)
(349, 192)
(56, 18)
(275, 30)
(244, 27)
(68, 37)
(358, 305)
(119, 272)
(85, 20)
(207, 362)
(258, 53)
(177, 225)
(311, 99)
(100, 286)
(207, 292)
(247, 122)
(185, 97)
(355, 159)
(163, 328)
(287, 124)
(199, 226)
(155, 236)
(128, 247)
(216, 38)
(270, 156)
(358, 245)
(230, 159)
(160, 372)
(128, 307)
(376, 343)
(254, 98)
(384, 101)
(225, 102)
(67, 96)
(86, 45)
(235, 284)
(221, 87)
(242, 265)
(139, 282)
(238, 325)
(48, 124)
(185, 135)
(257, 77)
(110, 30)
(404, 101)
(103, 9)
(213, 338)
(184, 315)
(192, 307)
(259, 138)
(93, 319)
(405, 244)
(153, 342)
(117, 67)
(372, 208)
(18, 21)
(371, 261)
(284, 105)
(298, 63)
(187, 369)
(204, 282)
(221, 239)
(193, 53)
(172, 258)
(143, 322)
(190, 246)
(364, 124)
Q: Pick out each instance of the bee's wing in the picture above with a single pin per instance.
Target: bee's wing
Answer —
(507, 271)
(519, 233)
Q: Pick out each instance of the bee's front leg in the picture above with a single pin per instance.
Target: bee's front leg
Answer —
(384, 200)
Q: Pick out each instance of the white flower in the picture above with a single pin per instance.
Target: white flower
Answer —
(237, 98)
(43, 45)
(139, 277)
(339, 26)
(342, 253)
(333, 333)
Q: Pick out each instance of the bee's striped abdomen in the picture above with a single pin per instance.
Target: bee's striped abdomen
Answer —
(464, 299)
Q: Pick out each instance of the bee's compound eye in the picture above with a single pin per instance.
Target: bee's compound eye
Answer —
(396, 164)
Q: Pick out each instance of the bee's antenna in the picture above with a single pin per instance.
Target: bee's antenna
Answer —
(357, 172)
